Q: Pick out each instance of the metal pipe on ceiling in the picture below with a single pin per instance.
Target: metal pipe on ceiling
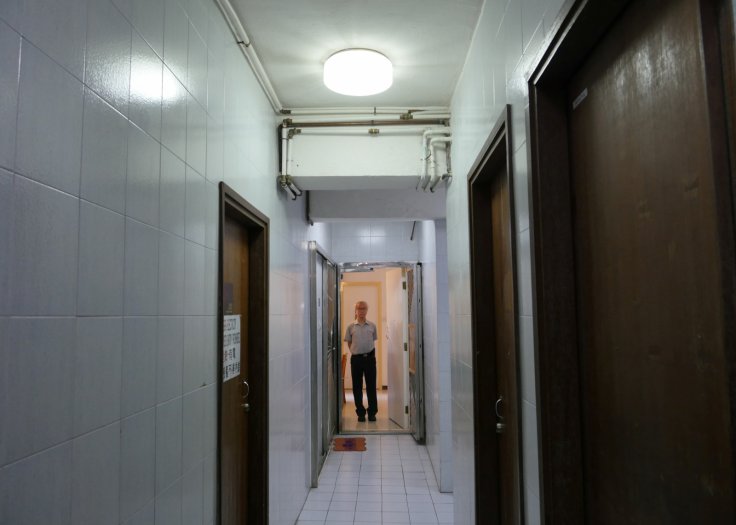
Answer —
(371, 266)
(285, 180)
(286, 188)
(338, 119)
(427, 153)
(288, 129)
(388, 110)
(288, 123)
(434, 179)
(244, 43)
(336, 131)
(283, 150)
(444, 176)
(287, 184)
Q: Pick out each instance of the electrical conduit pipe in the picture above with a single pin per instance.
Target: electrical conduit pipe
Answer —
(446, 176)
(427, 153)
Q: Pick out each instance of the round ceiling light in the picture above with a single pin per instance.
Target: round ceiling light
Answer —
(358, 72)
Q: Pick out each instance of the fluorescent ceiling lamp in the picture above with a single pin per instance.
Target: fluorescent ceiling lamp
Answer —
(358, 72)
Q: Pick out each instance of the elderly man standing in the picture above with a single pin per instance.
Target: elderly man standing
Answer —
(361, 335)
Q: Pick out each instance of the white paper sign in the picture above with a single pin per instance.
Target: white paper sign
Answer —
(231, 347)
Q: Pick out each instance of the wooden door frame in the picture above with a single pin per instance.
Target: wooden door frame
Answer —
(496, 152)
(579, 27)
(233, 206)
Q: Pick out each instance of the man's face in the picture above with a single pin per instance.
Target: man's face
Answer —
(361, 309)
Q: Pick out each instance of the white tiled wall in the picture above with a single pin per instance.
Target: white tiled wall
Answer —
(119, 119)
(432, 236)
(508, 36)
(379, 241)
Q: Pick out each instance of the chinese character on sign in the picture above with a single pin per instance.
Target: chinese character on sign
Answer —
(231, 347)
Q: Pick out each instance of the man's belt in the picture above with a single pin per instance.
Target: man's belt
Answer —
(367, 354)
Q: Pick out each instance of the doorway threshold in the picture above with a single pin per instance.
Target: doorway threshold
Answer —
(358, 432)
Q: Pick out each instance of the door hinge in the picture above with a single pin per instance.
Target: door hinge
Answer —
(406, 409)
(403, 284)
(406, 347)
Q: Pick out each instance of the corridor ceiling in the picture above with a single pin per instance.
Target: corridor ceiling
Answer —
(427, 41)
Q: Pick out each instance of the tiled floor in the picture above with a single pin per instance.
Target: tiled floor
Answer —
(391, 482)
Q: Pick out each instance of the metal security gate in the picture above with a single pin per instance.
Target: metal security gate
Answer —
(325, 346)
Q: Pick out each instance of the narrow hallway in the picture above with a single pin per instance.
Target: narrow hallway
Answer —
(391, 482)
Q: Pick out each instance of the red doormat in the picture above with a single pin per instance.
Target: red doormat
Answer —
(356, 444)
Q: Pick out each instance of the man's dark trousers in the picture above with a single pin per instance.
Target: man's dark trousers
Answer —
(364, 365)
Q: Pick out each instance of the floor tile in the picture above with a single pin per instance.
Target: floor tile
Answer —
(390, 482)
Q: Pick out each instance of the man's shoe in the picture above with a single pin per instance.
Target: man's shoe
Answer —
(361, 419)
(371, 418)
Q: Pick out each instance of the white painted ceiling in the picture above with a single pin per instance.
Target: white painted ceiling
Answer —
(427, 41)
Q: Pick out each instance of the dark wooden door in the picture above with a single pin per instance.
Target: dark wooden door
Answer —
(234, 424)
(495, 366)
(506, 406)
(243, 384)
(656, 414)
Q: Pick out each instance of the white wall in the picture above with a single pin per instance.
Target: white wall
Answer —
(341, 159)
(322, 233)
(351, 159)
(396, 205)
(108, 239)
(373, 241)
(508, 36)
(433, 255)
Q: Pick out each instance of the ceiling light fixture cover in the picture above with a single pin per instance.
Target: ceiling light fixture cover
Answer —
(358, 72)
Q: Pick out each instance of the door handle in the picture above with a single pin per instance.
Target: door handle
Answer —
(500, 425)
(245, 405)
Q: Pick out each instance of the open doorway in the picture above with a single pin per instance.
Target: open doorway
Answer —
(392, 295)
